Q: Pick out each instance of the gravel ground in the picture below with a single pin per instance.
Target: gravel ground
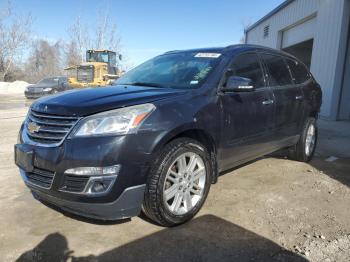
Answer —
(272, 209)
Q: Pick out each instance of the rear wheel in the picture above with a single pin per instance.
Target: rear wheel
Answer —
(178, 183)
(305, 148)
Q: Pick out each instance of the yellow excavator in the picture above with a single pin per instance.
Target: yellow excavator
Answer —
(100, 69)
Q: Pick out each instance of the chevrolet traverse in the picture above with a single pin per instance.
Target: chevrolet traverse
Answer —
(159, 137)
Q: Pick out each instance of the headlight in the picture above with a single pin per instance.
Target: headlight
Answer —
(47, 89)
(120, 121)
(26, 89)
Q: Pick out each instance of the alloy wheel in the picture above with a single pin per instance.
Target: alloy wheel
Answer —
(310, 139)
(184, 183)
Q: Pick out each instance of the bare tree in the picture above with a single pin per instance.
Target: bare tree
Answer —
(44, 60)
(72, 54)
(79, 35)
(245, 25)
(14, 38)
(104, 35)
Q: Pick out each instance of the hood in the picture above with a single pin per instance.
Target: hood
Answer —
(42, 85)
(94, 100)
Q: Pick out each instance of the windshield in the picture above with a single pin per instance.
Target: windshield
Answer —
(97, 57)
(50, 80)
(177, 70)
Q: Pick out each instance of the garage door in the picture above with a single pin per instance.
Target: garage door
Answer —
(299, 33)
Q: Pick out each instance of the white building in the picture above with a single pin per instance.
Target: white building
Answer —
(317, 32)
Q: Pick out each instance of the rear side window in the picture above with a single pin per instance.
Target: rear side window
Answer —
(299, 72)
(278, 70)
(248, 66)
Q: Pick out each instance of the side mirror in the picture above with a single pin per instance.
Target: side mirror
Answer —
(238, 84)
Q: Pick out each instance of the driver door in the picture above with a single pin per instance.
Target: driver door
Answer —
(247, 116)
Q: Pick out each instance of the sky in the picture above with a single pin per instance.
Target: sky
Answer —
(148, 28)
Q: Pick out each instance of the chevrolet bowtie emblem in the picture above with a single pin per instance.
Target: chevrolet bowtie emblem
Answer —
(33, 127)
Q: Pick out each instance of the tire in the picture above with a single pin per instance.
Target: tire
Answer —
(176, 190)
(305, 148)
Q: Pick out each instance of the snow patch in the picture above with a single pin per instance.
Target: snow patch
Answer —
(16, 87)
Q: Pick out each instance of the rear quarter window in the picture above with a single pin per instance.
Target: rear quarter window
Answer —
(299, 72)
(279, 74)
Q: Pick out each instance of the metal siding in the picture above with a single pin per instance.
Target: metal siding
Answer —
(328, 30)
(344, 110)
(290, 15)
(325, 52)
(343, 69)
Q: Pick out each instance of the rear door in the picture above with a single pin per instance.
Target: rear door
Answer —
(288, 97)
(247, 116)
(303, 80)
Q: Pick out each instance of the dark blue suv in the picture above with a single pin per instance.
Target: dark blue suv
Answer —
(159, 138)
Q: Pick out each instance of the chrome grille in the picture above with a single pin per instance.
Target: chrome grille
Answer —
(50, 129)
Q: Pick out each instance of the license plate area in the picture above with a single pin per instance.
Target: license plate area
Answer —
(24, 157)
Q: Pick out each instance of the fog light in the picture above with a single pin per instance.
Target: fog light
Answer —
(93, 171)
(99, 185)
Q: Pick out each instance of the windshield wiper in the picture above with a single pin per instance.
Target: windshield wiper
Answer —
(144, 84)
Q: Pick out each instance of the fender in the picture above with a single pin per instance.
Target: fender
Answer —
(188, 130)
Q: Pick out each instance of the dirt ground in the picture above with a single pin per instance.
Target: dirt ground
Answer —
(272, 209)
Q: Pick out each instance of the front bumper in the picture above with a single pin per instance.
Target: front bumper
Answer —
(34, 95)
(125, 197)
(127, 205)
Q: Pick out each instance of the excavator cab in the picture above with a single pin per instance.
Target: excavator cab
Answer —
(103, 56)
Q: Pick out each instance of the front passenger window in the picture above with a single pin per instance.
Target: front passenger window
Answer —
(248, 66)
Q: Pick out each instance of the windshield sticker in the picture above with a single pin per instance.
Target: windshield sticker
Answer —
(208, 55)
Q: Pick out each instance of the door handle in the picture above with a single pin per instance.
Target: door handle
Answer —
(267, 102)
(299, 98)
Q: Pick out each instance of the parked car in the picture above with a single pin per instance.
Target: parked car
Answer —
(47, 86)
(160, 137)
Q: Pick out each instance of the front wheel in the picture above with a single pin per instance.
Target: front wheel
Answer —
(305, 148)
(178, 183)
